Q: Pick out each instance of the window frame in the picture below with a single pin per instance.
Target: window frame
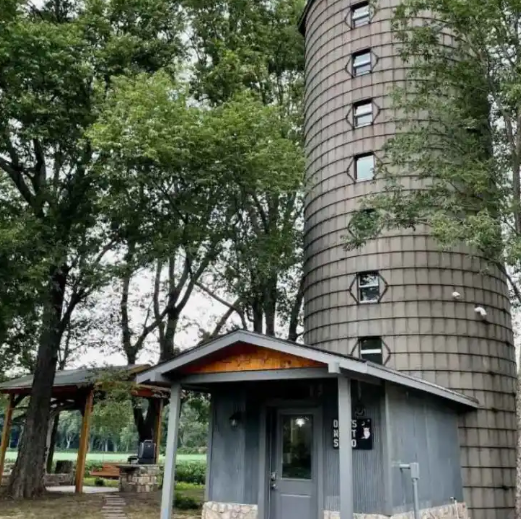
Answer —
(371, 351)
(362, 156)
(358, 105)
(364, 18)
(369, 62)
(360, 287)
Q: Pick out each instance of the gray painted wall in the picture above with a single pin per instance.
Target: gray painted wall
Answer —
(421, 429)
(428, 333)
(230, 478)
(424, 431)
(368, 466)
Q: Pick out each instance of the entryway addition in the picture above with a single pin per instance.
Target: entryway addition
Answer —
(299, 433)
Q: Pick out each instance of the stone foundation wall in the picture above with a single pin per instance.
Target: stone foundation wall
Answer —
(139, 478)
(458, 511)
(213, 510)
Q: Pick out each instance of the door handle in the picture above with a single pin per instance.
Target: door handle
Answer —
(273, 481)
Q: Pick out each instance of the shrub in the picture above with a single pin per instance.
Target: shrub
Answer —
(185, 503)
(192, 450)
(191, 472)
(90, 466)
(181, 485)
(99, 482)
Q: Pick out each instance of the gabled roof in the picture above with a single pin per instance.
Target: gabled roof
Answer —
(332, 362)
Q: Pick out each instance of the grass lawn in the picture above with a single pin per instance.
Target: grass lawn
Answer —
(107, 457)
(61, 506)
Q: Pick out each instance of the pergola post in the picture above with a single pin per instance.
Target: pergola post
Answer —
(167, 499)
(157, 429)
(345, 448)
(6, 433)
(84, 442)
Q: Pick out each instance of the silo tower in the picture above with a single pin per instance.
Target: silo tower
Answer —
(398, 300)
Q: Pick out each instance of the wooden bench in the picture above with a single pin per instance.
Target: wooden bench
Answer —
(107, 471)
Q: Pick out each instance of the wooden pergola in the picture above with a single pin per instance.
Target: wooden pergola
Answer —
(80, 389)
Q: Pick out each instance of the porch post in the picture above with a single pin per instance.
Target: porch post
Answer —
(167, 499)
(6, 433)
(345, 448)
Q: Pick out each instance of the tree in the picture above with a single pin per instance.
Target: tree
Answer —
(197, 185)
(255, 46)
(458, 117)
(57, 61)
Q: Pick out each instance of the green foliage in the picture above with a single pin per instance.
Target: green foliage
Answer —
(91, 466)
(99, 482)
(256, 47)
(453, 168)
(91, 482)
(191, 472)
(248, 45)
(183, 502)
(57, 63)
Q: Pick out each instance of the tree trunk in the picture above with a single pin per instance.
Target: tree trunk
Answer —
(52, 443)
(145, 424)
(27, 479)
(295, 312)
(270, 305)
(168, 344)
(258, 315)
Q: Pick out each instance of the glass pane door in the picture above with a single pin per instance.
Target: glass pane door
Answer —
(297, 446)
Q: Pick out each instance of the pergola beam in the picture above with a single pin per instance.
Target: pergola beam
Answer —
(6, 433)
(157, 429)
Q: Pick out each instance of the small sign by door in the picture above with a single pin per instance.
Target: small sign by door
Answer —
(361, 434)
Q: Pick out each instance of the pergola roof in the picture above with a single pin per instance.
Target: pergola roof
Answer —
(72, 380)
(227, 363)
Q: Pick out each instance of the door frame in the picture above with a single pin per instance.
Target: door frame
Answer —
(274, 408)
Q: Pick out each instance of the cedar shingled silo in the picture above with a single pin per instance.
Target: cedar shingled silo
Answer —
(392, 301)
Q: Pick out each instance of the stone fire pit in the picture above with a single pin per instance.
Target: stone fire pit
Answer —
(139, 478)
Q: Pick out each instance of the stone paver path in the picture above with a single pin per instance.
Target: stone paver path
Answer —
(114, 507)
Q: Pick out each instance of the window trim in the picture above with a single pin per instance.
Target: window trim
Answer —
(359, 157)
(355, 18)
(369, 62)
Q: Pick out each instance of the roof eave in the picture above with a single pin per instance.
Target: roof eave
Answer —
(160, 374)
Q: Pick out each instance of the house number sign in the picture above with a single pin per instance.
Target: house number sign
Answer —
(361, 434)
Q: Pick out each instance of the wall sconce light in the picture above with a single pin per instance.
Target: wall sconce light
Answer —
(235, 419)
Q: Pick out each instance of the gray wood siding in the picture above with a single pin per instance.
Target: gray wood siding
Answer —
(426, 432)
(368, 466)
(428, 333)
(228, 456)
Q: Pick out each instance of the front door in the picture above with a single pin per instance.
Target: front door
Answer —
(293, 476)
